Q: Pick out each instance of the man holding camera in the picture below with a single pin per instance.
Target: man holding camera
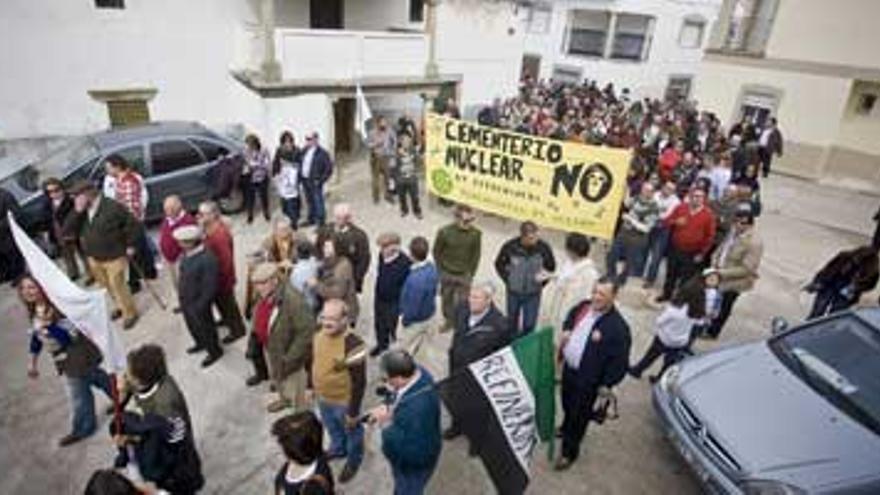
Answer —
(410, 424)
(594, 351)
(337, 377)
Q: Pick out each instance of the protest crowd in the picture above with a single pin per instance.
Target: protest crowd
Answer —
(692, 200)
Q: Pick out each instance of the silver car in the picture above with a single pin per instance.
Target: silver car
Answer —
(798, 413)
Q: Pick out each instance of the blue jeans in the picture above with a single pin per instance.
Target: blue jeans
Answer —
(82, 400)
(315, 198)
(634, 252)
(527, 304)
(290, 207)
(658, 240)
(410, 482)
(349, 443)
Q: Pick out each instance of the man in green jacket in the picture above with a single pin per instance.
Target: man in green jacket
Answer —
(283, 326)
(457, 254)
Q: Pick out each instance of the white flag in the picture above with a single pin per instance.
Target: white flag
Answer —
(85, 309)
(364, 114)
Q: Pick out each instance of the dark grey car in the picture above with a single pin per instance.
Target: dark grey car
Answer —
(797, 413)
(173, 157)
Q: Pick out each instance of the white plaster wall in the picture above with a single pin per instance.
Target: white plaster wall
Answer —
(54, 51)
(828, 32)
(474, 40)
(719, 85)
(646, 78)
(298, 114)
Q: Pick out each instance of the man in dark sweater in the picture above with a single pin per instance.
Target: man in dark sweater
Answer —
(354, 243)
(480, 330)
(393, 270)
(197, 291)
(524, 263)
(457, 254)
(692, 227)
(108, 234)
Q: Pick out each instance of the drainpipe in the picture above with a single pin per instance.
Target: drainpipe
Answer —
(270, 68)
(431, 69)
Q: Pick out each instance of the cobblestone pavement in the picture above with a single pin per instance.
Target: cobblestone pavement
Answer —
(803, 226)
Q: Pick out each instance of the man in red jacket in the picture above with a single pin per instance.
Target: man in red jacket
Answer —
(692, 227)
(218, 240)
(175, 217)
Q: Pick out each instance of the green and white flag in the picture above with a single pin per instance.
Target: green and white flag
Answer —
(505, 405)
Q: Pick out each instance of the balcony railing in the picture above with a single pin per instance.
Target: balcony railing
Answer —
(349, 55)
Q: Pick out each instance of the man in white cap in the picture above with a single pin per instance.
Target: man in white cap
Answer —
(197, 291)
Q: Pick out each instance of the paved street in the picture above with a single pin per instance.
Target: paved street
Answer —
(803, 225)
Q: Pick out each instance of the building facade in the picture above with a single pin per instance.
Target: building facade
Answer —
(246, 65)
(652, 47)
(814, 66)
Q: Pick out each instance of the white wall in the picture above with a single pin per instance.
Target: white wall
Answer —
(54, 51)
(816, 123)
(646, 78)
(473, 39)
(827, 32)
(298, 114)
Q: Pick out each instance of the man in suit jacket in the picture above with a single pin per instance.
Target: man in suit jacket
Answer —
(770, 143)
(480, 329)
(737, 260)
(594, 351)
(197, 291)
(410, 424)
(316, 169)
(108, 235)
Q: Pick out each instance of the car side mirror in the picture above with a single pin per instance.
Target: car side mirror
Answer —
(778, 325)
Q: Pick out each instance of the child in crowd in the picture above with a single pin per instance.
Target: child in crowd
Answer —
(710, 280)
(673, 329)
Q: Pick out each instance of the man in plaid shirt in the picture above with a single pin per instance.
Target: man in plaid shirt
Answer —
(129, 190)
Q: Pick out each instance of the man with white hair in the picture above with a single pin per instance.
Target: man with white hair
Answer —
(353, 241)
(315, 171)
(175, 218)
(480, 330)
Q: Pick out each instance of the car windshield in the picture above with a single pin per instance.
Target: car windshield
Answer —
(27, 180)
(840, 359)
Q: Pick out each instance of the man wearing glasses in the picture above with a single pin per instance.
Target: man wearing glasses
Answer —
(316, 169)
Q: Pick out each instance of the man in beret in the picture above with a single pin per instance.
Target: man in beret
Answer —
(283, 326)
(197, 290)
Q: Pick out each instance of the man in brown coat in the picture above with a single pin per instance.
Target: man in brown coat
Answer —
(283, 326)
(737, 260)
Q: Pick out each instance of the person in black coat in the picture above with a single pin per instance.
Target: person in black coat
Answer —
(393, 270)
(197, 291)
(842, 281)
(161, 433)
(480, 329)
(301, 437)
(58, 207)
(594, 351)
(12, 265)
(315, 170)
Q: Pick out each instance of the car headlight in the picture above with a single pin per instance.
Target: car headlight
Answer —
(669, 379)
(766, 487)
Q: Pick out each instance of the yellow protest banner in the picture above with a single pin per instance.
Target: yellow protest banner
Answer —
(558, 184)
